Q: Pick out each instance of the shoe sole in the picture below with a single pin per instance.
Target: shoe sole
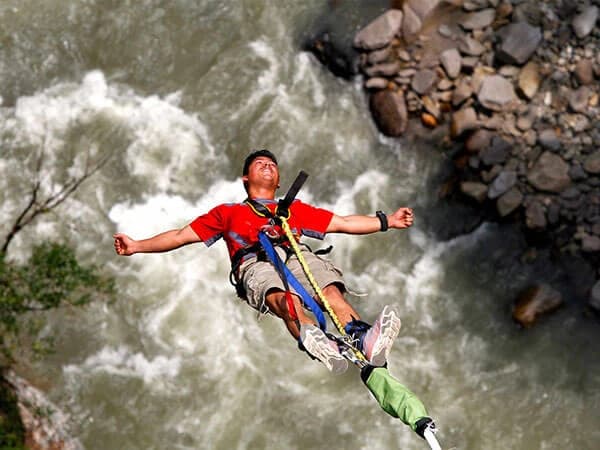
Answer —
(390, 328)
(317, 344)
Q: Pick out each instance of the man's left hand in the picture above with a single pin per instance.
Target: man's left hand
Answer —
(403, 218)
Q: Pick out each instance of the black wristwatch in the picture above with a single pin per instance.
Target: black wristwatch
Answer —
(383, 220)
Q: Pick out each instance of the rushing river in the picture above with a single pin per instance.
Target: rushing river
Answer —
(177, 92)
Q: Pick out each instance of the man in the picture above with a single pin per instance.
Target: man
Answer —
(261, 284)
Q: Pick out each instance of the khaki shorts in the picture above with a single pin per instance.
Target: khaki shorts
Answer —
(261, 277)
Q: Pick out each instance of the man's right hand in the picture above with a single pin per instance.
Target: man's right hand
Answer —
(123, 244)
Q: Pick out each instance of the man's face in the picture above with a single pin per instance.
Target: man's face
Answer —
(263, 171)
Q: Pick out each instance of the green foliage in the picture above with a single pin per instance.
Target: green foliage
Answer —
(11, 428)
(50, 279)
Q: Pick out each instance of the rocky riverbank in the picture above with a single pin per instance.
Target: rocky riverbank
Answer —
(512, 86)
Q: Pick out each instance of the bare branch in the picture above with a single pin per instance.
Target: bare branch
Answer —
(34, 208)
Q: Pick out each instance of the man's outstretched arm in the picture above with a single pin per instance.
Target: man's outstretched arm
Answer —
(358, 224)
(163, 242)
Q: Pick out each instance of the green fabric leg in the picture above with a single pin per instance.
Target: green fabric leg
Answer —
(395, 398)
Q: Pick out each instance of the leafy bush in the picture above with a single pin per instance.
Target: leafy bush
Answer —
(50, 279)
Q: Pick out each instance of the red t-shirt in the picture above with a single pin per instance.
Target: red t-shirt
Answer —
(239, 225)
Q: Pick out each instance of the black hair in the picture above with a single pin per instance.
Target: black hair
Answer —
(255, 154)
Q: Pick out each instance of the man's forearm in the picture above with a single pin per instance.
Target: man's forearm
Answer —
(163, 242)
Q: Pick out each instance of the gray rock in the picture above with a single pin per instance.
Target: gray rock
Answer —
(524, 123)
(549, 140)
(383, 70)
(535, 216)
(412, 23)
(509, 202)
(422, 7)
(376, 83)
(470, 46)
(478, 20)
(475, 190)
(579, 98)
(424, 81)
(431, 106)
(549, 173)
(445, 84)
(469, 63)
(496, 153)
(529, 79)
(590, 243)
(379, 56)
(463, 120)
(478, 140)
(518, 41)
(502, 183)
(380, 31)
(461, 93)
(584, 71)
(404, 55)
(446, 31)
(584, 23)
(509, 71)
(576, 173)
(592, 163)
(389, 112)
(451, 61)
(496, 93)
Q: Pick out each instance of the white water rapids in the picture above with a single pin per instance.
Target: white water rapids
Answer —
(178, 92)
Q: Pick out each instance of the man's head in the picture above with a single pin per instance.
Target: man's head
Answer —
(261, 171)
(255, 154)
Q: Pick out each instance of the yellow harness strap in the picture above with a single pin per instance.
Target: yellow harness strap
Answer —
(335, 319)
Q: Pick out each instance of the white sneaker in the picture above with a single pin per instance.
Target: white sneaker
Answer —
(321, 347)
(379, 339)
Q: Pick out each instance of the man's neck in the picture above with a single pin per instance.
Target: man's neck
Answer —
(262, 193)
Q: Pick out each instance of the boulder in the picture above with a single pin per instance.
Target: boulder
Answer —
(389, 112)
(496, 152)
(463, 120)
(412, 23)
(590, 243)
(502, 183)
(383, 70)
(475, 190)
(470, 46)
(592, 163)
(380, 31)
(535, 216)
(518, 41)
(478, 20)
(550, 173)
(509, 201)
(424, 81)
(549, 140)
(451, 61)
(584, 23)
(461, 93)
(376, 83)
(534, 301)
(579, 98)
(496, 93)
(529, 79)
(478, 140)
(422, 8)
(379, 56)
(584, 71)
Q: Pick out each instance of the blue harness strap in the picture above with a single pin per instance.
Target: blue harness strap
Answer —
(283, 270)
